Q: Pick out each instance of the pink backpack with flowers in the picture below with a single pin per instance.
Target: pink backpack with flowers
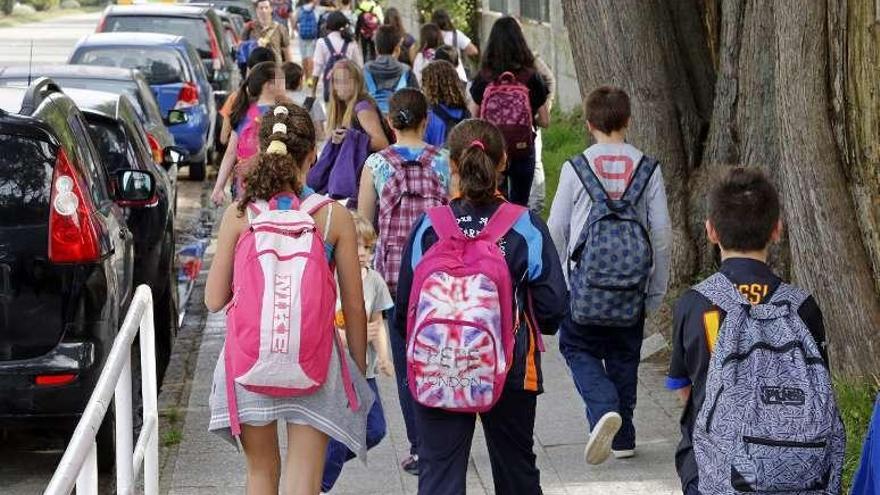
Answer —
(506, 104)
(460, 326)
(279, 337)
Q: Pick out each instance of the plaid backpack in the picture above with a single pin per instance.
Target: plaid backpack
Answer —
(411, 190)
(769, 423)
(335, 56)
(613, 256)
(307, 24)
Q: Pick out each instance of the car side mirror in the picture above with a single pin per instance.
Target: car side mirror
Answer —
(173, 156)
(135, 187)
(176, 117)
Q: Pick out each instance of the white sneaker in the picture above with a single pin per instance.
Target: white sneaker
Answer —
(599, 445)
(623, 454)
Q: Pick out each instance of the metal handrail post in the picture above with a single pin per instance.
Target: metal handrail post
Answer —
(151, 402)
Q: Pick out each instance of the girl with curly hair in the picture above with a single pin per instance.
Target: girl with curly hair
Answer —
(446, 104)
(287, 143)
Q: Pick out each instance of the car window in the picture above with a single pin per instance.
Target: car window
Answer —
(138, 141)
(26, 166)
(114, 86)
(110, 142)
(151, 107)
(158, 65)
(89, 158)
(196, 63)
(193, 29)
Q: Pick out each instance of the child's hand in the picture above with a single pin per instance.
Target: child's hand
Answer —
(375, 330)
(338, 135)
(386, 367)
(683, 394)
(218, 196)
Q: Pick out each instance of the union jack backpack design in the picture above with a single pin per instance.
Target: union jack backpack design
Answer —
(460, 325)
(278, 336)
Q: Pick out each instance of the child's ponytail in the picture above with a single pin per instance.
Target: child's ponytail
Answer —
(287, 136)
(250, 90)
(477, 152)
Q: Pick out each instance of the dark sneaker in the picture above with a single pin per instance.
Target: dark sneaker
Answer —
(411, 465)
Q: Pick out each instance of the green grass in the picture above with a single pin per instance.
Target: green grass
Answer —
(171, 437)
(565, 137)
(856, 402)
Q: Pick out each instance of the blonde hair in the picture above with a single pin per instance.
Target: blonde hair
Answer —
(339, 112)
(366, 234)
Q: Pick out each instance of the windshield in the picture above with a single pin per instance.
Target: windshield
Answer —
(26, 166)
(158, 65)
(193, 29)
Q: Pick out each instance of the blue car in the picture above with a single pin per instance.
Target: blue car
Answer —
(176, 76)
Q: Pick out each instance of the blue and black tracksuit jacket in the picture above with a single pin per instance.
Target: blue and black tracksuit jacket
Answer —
(534, 267)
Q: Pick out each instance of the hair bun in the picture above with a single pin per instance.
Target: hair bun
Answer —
(279, 128)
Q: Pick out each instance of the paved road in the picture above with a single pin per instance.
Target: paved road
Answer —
(53, 40)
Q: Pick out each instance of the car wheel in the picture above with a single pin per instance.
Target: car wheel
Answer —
(165, 311)
(197, 169)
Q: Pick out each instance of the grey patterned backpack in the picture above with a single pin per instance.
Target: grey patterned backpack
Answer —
(613, 256)
(769, 423)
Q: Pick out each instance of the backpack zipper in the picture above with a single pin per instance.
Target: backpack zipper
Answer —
(783, 443)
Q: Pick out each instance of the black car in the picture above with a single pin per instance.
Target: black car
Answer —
(121, 142)
(200, 25)
(110, 79)
(66, 260)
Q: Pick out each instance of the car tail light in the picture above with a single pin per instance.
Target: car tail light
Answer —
(188, 96)
(215, 48)
(73, 236)
(54, 380)
(156, 148)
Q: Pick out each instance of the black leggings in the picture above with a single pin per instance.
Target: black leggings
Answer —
(518, 179)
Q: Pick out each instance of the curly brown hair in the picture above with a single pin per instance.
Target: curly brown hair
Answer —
(441, 85)
(275, 173)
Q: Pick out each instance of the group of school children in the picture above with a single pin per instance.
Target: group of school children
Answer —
(405, 247)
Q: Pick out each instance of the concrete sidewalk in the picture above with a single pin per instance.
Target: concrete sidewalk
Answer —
(207, 465)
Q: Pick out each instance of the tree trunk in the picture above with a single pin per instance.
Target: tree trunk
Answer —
(827, 252)
(795, 95)
(613, 40)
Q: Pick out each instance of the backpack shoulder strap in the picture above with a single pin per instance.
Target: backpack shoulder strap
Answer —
(329, 45)
(426, 158)
(794, 296)
(720, 291)
(444, 223)
(392, 156)
(588, 178)
(401, 83)
(502, 221)
(370, 82)
(314, 203)
(640, 179)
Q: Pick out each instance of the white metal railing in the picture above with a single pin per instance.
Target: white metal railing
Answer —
(79, 465)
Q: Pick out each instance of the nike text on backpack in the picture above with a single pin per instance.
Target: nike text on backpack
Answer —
(331, 62)
(367, 23)
(383, 96)
(460, 320)
(506, 104)
(769, 423)
(280, 337)
(411, 190)
(613, 257)
(307, 24)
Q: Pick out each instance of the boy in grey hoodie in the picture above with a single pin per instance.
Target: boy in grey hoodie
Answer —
(604, 360)
(386, 72)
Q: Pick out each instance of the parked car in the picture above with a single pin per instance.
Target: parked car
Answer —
(178, 80)
(244, 8)
(66, 261)
(121, 141)
(118, 81)
(200, 25)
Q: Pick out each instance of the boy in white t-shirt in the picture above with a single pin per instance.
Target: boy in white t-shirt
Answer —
(377, 299)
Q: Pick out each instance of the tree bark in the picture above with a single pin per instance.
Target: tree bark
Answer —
(827, 252)
(657, 52)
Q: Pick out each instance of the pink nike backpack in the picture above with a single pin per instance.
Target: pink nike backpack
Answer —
(460, 326)
(278, 336)
(506, 104)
